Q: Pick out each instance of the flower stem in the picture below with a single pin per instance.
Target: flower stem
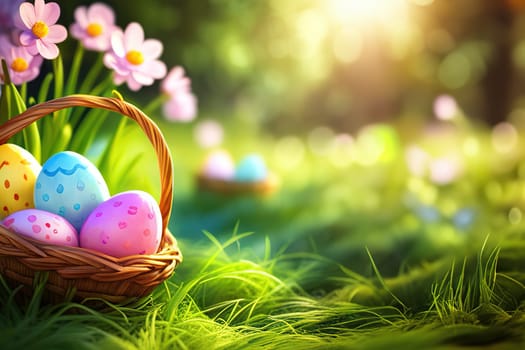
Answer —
(58, 69)
(60, 117)
(104, 85)
(23, 91)
(154, 104)
(92, 75)
(75, 68)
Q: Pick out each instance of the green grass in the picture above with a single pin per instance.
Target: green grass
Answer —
(337, 258)
(224, 300)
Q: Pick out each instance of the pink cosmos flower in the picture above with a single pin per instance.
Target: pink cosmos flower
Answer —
(175, 81)
(40, 33)
(133, 59)
(181, 104)
(22, 66)
(93, 26)
(180, 107)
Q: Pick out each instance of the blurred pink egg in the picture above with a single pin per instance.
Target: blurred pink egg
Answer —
(126, 224)
(43, 226)
(219, 165)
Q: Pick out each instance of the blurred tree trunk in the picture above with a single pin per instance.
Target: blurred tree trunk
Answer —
(498, 82)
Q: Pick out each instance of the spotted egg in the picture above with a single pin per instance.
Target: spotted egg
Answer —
(128, 223)
(71, 186)
(18, 172)
(43, 226)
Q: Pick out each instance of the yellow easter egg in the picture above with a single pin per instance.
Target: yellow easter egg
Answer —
(18, 173)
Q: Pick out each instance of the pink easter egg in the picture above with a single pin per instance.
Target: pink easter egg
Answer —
(219, 165)
(126, 224)
(43, 226)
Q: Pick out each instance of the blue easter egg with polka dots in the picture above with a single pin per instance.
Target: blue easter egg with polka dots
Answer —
(71, 186)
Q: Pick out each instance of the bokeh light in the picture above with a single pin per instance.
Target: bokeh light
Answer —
(343, 152)
(504, 137)
(445, 169)
(209, 133)
(289, 152)
(417, 160)
(515, 215)
(445, 107)
(321, 140)
(368, 13)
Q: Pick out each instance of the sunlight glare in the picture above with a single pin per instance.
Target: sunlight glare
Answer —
(368, 12)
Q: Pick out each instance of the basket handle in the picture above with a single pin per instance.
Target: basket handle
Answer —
(152, 131)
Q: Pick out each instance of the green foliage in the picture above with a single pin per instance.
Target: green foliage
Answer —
(223, 300)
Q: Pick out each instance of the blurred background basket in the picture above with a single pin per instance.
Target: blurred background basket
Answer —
(231, 187)
(78, 273)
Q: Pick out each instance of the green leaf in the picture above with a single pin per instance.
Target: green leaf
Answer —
(75, 68)
(87, 130)
(44, 87)
(105, 162)
(62, 140)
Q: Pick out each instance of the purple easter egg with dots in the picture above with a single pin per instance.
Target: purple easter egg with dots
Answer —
(126, 224)
(71, 186)
(42, 226)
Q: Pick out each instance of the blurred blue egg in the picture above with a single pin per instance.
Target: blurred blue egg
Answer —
(251, 168)
(71, 186)
(464, 218)
(427, 213)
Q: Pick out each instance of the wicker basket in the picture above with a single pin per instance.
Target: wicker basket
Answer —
(230, 187)
(80, 273)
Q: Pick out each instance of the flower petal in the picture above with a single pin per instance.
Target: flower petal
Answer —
(97, 44)
(175, 81)
(121, 68)
(27, 38)
(156, 69)
(133, 85)
(51, 13)
(152, 49)
(27, 15)
(76, 31)
(100, 12)
(182, 107)
(117, 43)
(48, 50)
(81, 16)
(5, 46)
(142, 78)
(119, 79)
(36, 62)
(39, 9)
(57, 33)
(32, 49)
(133, 37)
(113, 62)
(109, 60)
